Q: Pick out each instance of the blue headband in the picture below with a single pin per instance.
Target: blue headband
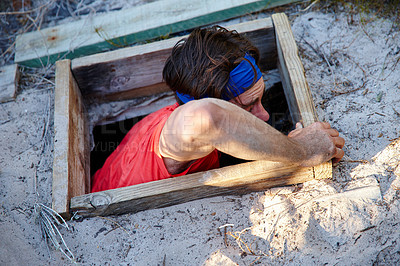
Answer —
(241, 78)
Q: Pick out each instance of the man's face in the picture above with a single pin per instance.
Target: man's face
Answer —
(250, 100)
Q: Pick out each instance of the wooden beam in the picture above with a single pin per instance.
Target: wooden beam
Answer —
(146, 107)
(112, 30)
(71, 167)
(137, 71)
(297, 91)
(9, 77)
(237, 179)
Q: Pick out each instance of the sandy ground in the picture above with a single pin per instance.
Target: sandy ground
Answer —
(351, 63)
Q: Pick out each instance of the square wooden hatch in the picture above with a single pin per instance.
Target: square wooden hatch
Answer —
(135, 72)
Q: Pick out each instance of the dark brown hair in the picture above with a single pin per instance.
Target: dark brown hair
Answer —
(200, 65)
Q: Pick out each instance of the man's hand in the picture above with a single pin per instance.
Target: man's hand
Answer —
(320, 142)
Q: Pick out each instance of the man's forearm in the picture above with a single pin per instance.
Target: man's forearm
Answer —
(239, 133)
(197, 129)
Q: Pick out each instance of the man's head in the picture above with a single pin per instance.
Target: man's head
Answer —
(200, 66)
(214, 63)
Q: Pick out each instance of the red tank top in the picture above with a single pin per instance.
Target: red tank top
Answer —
(137, 159)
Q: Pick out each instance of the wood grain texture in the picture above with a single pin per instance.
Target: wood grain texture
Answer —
(9, 77)
(297, 91)
(137, 71)
(113, 30)
(323, 171)
(292, 73)
(237, 179)
(71, 151)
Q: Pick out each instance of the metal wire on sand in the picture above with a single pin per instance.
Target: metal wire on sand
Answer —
(49, 220)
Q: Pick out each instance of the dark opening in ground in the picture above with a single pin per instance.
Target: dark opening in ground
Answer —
(107, 137)
(106, 140)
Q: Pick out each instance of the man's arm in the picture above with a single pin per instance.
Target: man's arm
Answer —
(197, 128)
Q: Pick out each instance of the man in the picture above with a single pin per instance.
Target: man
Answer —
(218, 87)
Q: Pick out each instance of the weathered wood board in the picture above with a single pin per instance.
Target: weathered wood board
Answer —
(9, 76)
(113, 30)
(236, 179)
(297, 92)
(242, 178)
(71, 144)
(137, 71)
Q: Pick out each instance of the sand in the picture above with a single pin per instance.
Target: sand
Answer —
(351, 64)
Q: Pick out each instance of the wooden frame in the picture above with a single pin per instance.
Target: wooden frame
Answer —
(71, 175)
(105, 77)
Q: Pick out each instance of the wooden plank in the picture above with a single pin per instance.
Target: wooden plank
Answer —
(71, 151)
(292, 72)
(146, 107)
(113, 30)
(297, 91)
(9, 77)
(137, 71)
(237, 179)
